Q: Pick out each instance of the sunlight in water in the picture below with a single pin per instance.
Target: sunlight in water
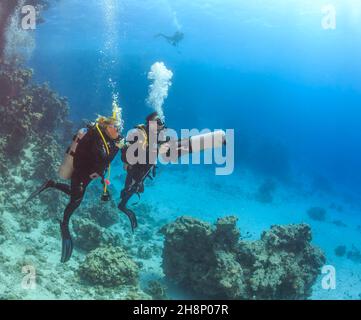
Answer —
(110, 51)
(18, 41)
(111, 19)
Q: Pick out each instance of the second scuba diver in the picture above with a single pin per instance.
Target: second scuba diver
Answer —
(138, 172)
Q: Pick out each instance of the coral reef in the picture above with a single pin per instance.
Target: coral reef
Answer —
(105, 216)
(103, 213)
(110, 267)
(3, 230)
(27, 112)
(90, 236)
(156, 290)
(136, 294)
(214, 262)
(33, 120)
(317, 213)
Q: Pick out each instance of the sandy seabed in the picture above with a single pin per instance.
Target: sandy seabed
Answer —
(176, 191)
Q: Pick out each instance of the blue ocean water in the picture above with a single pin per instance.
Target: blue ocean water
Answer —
(270, 71)
(267, 69)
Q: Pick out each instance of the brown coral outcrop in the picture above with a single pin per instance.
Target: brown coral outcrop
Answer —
(214, 262)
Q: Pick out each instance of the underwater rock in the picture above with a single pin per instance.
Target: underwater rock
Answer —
(32, 124)
(90, 236)
(4, 232)
(144, 252)
(317, 213)
(135, 293)
(213, 262)
(109, 267)
(265, 191)
(102, 213)
(285, 264)
(288, 238)
(44, 161)
(340, 251)
(226, 235)
(27, 225)
(144, 214)
(105, 215)
(156, 290)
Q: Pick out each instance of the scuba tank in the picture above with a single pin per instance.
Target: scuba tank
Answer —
(67, 167)
(211, 140)
(198, 143)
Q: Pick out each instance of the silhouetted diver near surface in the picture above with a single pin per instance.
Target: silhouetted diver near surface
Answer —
(173, 40)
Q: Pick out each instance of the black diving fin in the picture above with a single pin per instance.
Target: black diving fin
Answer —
(131, 215)
(67, 243)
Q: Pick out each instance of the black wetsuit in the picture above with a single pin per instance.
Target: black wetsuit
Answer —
(91, 160)
(136, 174)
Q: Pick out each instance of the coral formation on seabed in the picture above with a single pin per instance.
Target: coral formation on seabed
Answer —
(214, 262)
(157, 290)
(90, 236)
(109, 266)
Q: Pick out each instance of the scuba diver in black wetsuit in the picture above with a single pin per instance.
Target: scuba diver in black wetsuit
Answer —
(96, 147)
(173, 40)
(138, 172)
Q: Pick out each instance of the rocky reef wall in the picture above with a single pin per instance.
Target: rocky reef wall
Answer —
(34, 131)
(215, 262)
